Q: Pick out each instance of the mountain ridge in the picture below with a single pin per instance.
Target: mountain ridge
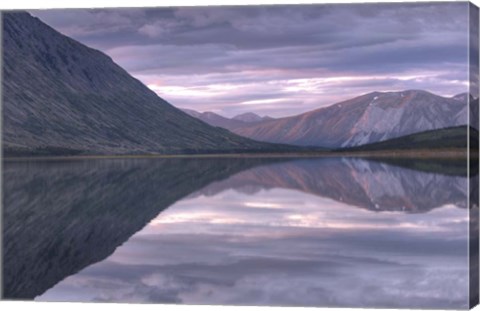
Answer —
(242, 120)
(367, 118)
(251, 117)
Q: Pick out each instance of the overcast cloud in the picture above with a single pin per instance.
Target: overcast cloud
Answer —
(279, 60)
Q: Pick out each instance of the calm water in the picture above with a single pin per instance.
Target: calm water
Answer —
(306, 232)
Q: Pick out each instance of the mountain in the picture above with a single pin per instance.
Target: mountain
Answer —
(250, 117)
(453, 137)
(61, 97)
(463, 97)
(474, 113)
(215, 119)
(365, 119)
(231, 124)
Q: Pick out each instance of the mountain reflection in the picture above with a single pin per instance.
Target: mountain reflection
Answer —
(367, 184)
(61, 217)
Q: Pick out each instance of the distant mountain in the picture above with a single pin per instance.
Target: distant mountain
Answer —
(215, 119)
(231, 124)
(369, 118)
(250, 117)
(61, 97)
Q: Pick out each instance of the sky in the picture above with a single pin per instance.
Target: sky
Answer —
(277, 246)
(279, 60)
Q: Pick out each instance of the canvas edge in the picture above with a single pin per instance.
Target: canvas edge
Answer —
(473, 66)
(1, 154)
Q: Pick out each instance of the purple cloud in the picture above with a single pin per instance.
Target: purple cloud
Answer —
(287, 59)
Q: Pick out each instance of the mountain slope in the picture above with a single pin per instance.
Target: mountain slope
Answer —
(365, 119)
(61, 97)
(453, 137)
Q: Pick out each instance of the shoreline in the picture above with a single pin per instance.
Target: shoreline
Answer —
(445, 154)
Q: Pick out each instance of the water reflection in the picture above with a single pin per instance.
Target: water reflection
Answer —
(370, 185)
(59, 217)
(244, 232)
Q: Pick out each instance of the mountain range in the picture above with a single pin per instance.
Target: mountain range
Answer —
(62, 97)
(239, 121)
(370, 118)
(250, 117)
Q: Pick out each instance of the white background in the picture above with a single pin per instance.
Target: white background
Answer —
(44, 4)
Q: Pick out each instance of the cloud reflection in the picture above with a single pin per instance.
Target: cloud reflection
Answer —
(233, 248)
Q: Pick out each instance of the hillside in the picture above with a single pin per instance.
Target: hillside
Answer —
(453, 137)
(61, 97)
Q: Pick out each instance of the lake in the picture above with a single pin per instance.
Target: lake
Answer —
(289, 232)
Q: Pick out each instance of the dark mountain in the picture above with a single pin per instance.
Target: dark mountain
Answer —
(453, 137)
(474, 113)
(250, 117)
(61, 97)
(365, 119)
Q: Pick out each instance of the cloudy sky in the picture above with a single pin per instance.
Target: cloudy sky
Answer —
(279, 60)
